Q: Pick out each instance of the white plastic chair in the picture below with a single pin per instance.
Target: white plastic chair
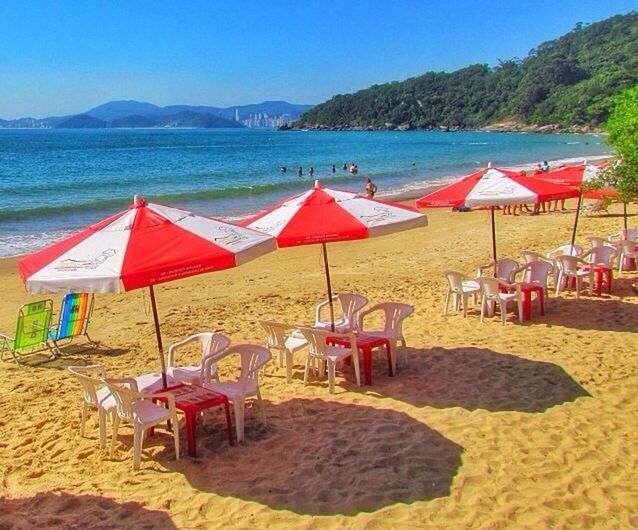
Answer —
(568, 269)
(349, 304)
(138, 409)
(537, 272)
(285, 340)
(565, 250)
(603, 255)
(252, 358)
(490, 293)
(629, 234)
(320, 352)
(96, 396)
(394, 313)
(211, 344)
(595, 241)
(529, 256)
(505, 268)
(460, 287)
(627, 249)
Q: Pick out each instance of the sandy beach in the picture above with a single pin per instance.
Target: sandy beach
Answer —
(528, 425)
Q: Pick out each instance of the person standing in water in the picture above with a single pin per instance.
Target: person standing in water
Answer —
(333, 169)
(299, 171)
(371, 188)
(311, 172)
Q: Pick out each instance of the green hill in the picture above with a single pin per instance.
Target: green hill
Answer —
(562, 84)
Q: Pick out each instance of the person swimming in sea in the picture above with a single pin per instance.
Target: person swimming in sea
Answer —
(283, 169)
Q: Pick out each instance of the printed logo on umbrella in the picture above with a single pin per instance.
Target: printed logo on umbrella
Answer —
(383, 214)
(70, 264)
(232, 237)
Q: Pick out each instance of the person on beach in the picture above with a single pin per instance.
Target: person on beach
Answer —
(371, 188)
(545, 166)
(311, 172)
(299, 171)
(543, 205)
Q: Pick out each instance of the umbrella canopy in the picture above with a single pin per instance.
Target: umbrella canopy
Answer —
(495, 187)
(142, 246)
(323, 215)
(578, 175)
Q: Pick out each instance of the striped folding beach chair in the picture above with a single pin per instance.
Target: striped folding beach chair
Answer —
(32, 329)
(75, 316)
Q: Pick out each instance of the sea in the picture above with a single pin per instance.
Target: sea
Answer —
(54, 182)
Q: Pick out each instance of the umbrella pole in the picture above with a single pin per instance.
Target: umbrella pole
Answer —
(580, 200)
(327, 268)
(624, 207)
(493, 238)
(158, 335)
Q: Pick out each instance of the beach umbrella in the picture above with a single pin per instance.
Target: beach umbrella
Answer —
(492, 187)
(578, 176)
(143, 246)
(322, 215)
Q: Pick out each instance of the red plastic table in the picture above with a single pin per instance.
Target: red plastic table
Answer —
(191, 399)
(365, 344)
(601, 271)
(526, 290)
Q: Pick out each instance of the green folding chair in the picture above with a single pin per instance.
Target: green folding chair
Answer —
(75, 315)
(32, 331)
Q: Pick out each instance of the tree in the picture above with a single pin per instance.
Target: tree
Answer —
(622, 127)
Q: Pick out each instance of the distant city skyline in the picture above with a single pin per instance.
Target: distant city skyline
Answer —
(65, 57)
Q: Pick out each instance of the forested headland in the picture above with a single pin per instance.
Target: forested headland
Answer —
(562, 85)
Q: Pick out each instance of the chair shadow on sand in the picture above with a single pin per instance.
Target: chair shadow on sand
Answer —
(476, 378)
(72, 355)
(65, 510)
(323, 457)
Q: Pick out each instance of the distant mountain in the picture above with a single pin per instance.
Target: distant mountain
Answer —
(131, 114)
(181, 119)
(115, 110)
(81, 121)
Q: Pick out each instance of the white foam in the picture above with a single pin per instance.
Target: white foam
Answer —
(25, 244)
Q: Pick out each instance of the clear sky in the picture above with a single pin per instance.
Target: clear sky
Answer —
(64, 57)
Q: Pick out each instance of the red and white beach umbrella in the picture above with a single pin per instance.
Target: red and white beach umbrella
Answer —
(577, 176)
(495, 187)
(323, 215)
(143, 246)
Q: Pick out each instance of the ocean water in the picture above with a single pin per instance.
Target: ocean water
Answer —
(54, 182)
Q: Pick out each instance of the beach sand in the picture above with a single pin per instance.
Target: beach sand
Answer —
(487, 426)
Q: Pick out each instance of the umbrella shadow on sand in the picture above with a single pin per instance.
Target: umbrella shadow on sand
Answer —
(64, 510)
(477, 378)
(324, 457)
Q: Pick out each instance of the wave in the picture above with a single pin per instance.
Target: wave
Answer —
(170, 198)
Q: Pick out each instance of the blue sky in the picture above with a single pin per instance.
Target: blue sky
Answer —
(64, 57)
